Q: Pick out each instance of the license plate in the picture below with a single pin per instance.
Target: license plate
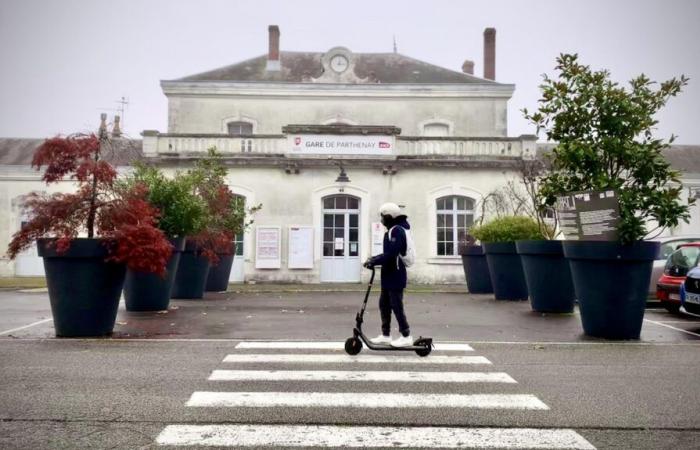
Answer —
(674, 297)
(692, 298)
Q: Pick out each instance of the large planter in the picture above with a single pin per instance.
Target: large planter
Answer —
(476, 269)
(611, 282)
(191, 275)
(506, 271)
(84, 289)
(217, 280)
(151, 291)
(547, 276)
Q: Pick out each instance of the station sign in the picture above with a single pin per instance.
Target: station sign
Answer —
(329, 144)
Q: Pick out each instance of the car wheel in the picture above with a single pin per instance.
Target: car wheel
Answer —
(693, 309)
(673, 308)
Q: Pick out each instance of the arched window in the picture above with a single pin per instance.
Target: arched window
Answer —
(436, 129)
(239, 128)
(455, 214)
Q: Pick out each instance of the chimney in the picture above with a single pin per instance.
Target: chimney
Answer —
(116, 129)
(468, 67)
(273, 55)
(490, 53)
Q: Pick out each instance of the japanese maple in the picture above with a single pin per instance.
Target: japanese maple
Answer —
(122, 218)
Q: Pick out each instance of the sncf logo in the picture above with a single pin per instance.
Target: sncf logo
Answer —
(383, 144)
(297, 140)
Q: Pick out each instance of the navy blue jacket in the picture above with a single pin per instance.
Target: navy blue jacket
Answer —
(393, 269)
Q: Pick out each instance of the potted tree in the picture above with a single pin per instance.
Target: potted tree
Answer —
(85, 275)
(547, 272)
(604, 136)
(181, 213)
(476, 270)
(498, 238)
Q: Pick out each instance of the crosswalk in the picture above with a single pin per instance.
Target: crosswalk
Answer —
(307, 370)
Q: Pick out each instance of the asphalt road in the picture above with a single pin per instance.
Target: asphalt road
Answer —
(123, 392)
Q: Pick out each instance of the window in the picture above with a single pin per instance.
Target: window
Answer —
(455, 214)
(238, 238)
(436, 129)
(681, 261)
(240, 128)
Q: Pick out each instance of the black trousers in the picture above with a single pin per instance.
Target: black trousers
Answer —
(392, 300)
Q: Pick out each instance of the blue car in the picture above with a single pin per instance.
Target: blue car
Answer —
(690, 291)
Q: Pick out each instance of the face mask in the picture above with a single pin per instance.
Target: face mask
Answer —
(386, 221)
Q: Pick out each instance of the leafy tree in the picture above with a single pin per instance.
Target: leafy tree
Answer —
(605, 142)
(507, 229)
(122, 218)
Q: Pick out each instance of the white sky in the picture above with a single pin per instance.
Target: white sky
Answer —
(63, 62)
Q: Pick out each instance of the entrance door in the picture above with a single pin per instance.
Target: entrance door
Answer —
(341, 239)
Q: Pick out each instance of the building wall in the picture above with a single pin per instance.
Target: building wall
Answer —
(473, 117)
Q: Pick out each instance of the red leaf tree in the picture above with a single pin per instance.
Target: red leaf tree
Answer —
(122, 217)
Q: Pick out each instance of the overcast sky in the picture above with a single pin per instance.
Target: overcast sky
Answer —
(63, 62)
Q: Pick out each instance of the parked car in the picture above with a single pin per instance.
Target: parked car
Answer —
(678, 264)
(668, 245)
(690, 292)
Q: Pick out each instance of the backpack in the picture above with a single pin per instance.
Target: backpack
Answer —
(409, 258)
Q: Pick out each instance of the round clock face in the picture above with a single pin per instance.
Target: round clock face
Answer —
(339, 63)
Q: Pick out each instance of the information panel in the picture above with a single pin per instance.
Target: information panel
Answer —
(267, 247)
(589, 215)
(300, 247)
(377, 238)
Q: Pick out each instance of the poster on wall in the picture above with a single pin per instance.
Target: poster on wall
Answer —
(377, 238)
(267, 247)
(589, 215)
(300, 247)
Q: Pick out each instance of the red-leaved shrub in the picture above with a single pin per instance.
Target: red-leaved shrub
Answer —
(121, 217)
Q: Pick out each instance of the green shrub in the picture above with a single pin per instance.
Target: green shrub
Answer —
(508, 229)
(182, 212)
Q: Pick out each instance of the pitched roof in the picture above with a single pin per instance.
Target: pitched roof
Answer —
(300, 67)
(685, 158)
(20, 151)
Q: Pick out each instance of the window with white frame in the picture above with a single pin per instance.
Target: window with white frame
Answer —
(239, 128)
(436, 129)
(455, 214)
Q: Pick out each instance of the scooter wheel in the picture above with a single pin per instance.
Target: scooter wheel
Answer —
(353, 346)
(427, 347)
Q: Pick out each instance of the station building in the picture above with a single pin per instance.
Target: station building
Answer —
(321, 140)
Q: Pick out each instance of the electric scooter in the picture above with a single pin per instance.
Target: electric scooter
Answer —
(353, 345)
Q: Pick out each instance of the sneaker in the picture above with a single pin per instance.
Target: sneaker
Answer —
(381, 339)
(403, 341)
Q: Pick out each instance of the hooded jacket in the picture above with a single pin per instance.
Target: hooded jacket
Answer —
(393, 270)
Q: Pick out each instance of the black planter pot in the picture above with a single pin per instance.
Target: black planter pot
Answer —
(476, 269)
(84, 290)
(547, 276)
(150, 291)
(217, 281)
(611, 282)
(506, 271)
(191, 275)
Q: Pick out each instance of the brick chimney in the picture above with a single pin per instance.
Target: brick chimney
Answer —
(273, 55)
(490, 53)
(468, 67)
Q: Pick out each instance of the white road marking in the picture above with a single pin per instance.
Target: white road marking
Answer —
(26, 326)
(443, 347)
(363, 400)
(672, 327)
(325, 436)
(331, 375)
(330, 359)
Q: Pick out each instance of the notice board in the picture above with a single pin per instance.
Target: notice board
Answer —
(589, 215)
(300, 251)
(377, 238)
(267, 247)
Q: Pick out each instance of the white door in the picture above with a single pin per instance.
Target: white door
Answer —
(340, 262)
(28, 263)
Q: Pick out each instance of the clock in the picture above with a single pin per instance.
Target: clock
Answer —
(339, 63)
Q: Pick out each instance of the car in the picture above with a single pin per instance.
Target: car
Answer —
(668, 245)
(690, 292)
(678, 264)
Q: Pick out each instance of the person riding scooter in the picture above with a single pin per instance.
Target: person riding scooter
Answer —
(393, 275)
